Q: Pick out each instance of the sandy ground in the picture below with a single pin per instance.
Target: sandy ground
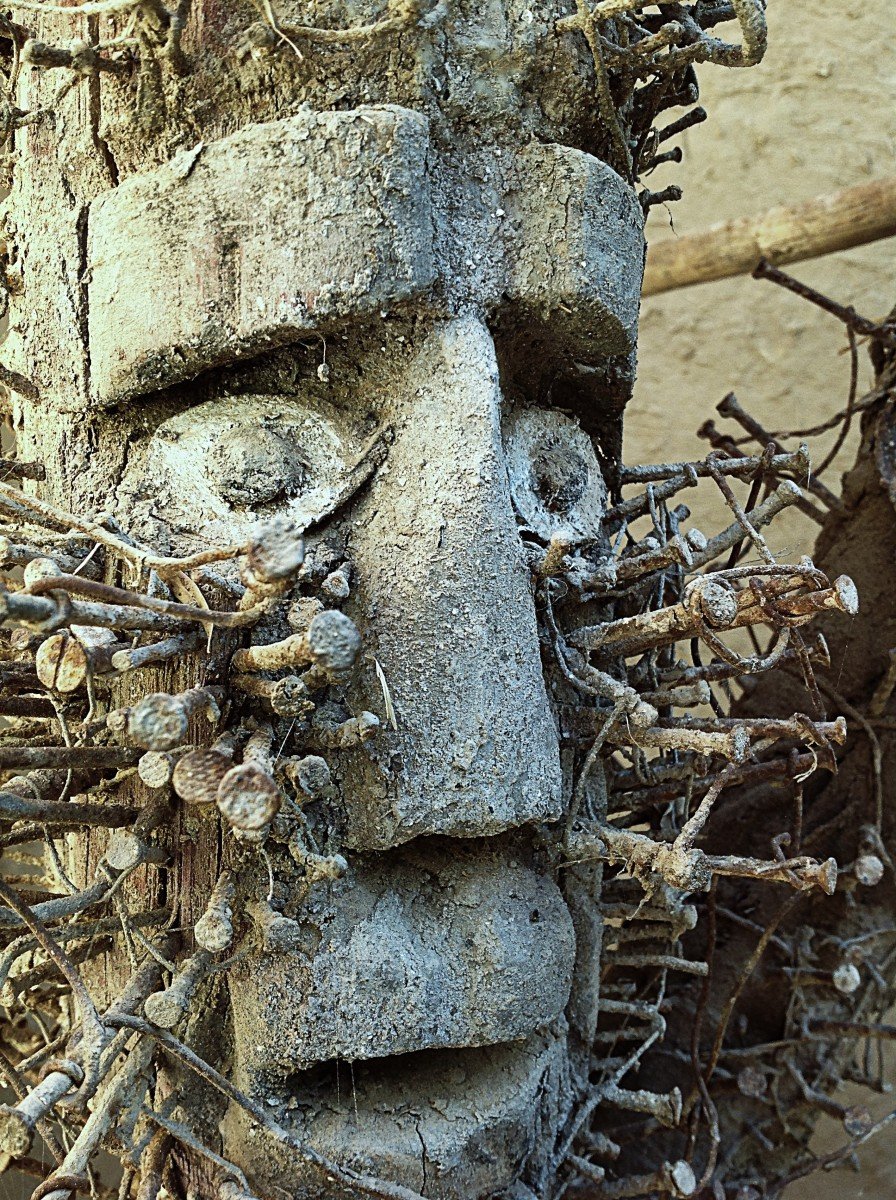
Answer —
(817, 115)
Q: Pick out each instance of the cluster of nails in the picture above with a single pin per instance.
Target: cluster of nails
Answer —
(244, 748)
(644, 64)
(648, 634)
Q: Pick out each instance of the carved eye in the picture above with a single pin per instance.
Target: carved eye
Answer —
(555, 479)
(558, 477)
(250, 465)
(223, 465)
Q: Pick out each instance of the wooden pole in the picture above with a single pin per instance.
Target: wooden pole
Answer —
(851, 217)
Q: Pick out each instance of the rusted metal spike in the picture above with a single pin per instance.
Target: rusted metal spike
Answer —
(160, 721)
(131, 658)
(18, 1122)
(214, 929)
(798, 462)
(66, 660)
(168, 1007)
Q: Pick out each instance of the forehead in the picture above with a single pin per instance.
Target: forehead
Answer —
(353, 217)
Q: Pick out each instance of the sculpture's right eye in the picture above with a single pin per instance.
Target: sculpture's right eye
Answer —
(253, 467)
(226, 464)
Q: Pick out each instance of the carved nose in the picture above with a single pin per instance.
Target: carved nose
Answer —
(452, 616)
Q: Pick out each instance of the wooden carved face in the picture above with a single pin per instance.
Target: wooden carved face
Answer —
(446, 960)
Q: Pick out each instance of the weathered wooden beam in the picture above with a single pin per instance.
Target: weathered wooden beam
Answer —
(786, 234)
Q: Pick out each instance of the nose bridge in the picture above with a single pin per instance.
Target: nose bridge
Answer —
(452, 619)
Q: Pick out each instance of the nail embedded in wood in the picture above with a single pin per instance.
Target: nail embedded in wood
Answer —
(65, 660)
(311, 774)
(214, 929)
(797, 462)
(276, 552)
(198, 775)
(704, 600)
(156, 768)
(802, 874)
(132, 658)
(868, 870)
(168, 1008)
(126, 851)
(664, 1106)
(732, 744)
(842, 597)
(302, 612)
(802, 728)
(160, 721)
(679, 550)
(248, 796)
(46, 614)
(18, 1122)
(332, 644)
(337, 585)
(67, 812)
(846, 979)
(280, 935)
(690, 869)
(689, 695)
(333, 734)
(74, 757)
(288, 697)
(713, 602)
(668, 962)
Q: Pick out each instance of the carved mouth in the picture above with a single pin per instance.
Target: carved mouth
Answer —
(448, 1123)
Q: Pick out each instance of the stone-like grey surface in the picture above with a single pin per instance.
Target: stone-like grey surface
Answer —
(452, 1125)
(311, 223)
(555, 479)
(253, 240)
(437, 946)
(220, 468)
(579, 255)
(445, 605)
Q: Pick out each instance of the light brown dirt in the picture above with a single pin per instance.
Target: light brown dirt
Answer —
(815, 116)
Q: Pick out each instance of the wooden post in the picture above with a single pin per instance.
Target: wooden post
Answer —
(786, 234)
